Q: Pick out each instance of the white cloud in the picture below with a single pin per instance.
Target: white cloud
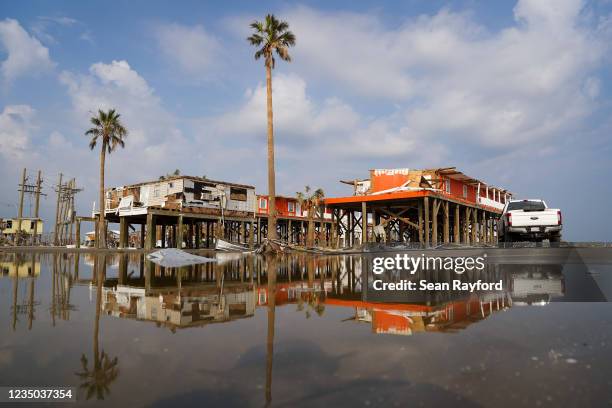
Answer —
(154, 138)
(25, 54)
(191, 48)
(438, 89)
(456, 81)
(295, 113)
(15, 127)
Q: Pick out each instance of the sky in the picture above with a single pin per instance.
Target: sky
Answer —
(514, 93)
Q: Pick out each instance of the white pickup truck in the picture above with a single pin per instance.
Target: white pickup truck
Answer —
(529, 220)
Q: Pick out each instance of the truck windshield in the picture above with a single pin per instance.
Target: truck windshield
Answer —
(526, 205)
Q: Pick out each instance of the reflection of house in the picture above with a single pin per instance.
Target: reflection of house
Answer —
(291, 292)
(19, 269)
(406, 319)
(9, 227)
(180, 308)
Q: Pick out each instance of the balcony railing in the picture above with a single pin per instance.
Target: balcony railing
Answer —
(490, 203)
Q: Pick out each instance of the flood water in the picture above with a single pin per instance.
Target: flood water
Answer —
(300, 330)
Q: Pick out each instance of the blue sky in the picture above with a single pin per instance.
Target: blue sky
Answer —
(516, 93)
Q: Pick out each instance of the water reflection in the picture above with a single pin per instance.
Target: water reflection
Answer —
(96, 380)
(128, 287)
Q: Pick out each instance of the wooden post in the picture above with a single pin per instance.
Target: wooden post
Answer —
(434, 222)
(163, 235)
(457, 227)
(364, 223)
(198, 234)
(78, 233)
(474, 225)
(426, 226)
(446, 222)
(241, 234)
(150, 233)
(334, 228)
(142, 235)
(484, 227)
(466, 223)
(179, 233)
(420, 211)
(123, 232)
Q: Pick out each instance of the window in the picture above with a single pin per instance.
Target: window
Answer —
(9, 224)
(526, 206)
(170, 185)
(156, 192)
(464, 191)
(291, 206)
(32, 225)
(238, 194)
(263, 203)
(447, 186)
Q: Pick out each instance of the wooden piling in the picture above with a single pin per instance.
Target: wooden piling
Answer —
(426, 226)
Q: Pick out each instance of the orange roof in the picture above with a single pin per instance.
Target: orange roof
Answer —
(402, 195)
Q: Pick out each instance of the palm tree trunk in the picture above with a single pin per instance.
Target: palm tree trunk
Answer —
(311, 226)
(271, 174)
(101, 242)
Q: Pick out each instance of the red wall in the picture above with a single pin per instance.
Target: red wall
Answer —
(282, 206)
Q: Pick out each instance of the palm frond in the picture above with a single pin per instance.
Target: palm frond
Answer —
(275, 36)
(108, 128)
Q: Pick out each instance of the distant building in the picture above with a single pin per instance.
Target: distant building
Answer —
(9, 227)
(286, 207)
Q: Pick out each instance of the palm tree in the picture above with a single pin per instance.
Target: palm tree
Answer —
(311, 203)
(109, 131)
(270, 36)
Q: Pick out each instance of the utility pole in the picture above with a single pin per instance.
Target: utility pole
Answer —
(31, 189)
(36, 207)
(57, 207)
(65, 211)
(21, 193)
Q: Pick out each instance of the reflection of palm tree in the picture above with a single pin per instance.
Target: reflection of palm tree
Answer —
(105, 370)
(271, 317)
(96, 381)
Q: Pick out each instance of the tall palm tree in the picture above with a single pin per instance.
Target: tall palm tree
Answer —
(109, 131)
(310, 202)
(271, 36)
